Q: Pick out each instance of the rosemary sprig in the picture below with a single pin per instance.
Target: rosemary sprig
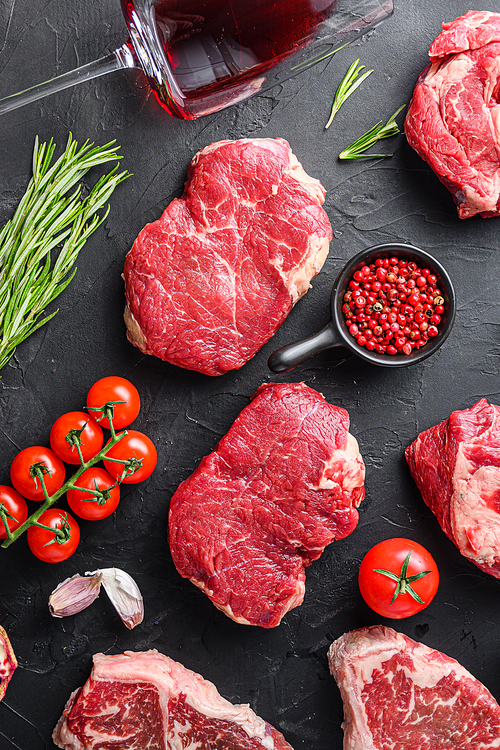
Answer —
(348, 86)
(314, 60)
(51, 213)
(365, 141)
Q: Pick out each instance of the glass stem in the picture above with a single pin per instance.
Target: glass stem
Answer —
(120, 58)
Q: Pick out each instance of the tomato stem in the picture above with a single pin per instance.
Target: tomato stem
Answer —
(74, 439)
(4, 515)
(107, 411)
(403, 580)
(130, 465)
(69, 485)
(61, 533)
(38, 472)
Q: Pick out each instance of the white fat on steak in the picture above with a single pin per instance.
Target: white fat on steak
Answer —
(474, 516)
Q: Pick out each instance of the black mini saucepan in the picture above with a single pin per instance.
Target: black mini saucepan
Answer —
(336, 333)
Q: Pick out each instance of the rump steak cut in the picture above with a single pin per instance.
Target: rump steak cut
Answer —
(456, 466)
(146, 701)
(284, 482)
(212, 279)
(401, 694)
(453, 121)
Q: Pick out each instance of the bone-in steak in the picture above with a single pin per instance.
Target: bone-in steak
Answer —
(401, 694)
(456, 466)
(146, 701)
(283, 483)
(452, 121)
(212, 279)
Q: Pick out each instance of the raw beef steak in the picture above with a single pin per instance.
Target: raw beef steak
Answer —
(456, 466)
(212, 279)
(283, 483)
(146, 701)
(453, 121)
(401, 694)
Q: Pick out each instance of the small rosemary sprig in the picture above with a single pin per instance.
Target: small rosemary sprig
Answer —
(314, 60)
(379, 131)
(51, 213)
(348, 86)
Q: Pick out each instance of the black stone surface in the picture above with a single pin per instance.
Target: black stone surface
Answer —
(282, 673)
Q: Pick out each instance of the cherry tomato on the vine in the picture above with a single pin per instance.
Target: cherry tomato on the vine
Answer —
(117, 391)
(138, 447)
(48, 546)
(73, 427)
(398, 578)
(23, 472)
(85, 504)
(15, 508)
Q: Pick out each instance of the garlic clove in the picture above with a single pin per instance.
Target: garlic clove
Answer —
(78, 592)
(75, 594)
(125, 595)
(8, 662)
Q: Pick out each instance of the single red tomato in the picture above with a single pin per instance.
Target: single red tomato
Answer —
(117, 394)
(24, 477)
(51, 547)
(15, 508)
(139, 449)
(398, 578)
(85, 504)
(73, 427)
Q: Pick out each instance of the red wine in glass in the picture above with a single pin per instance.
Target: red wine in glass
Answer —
(201, 56)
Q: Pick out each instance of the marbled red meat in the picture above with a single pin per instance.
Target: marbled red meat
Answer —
(284, 482)
(453, 121)
(456, 466)
(8, 661)
(212, 279)
(401, 695)
(146, 701)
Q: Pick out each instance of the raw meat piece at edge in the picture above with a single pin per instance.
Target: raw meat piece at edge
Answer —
(357, 658)
(451, 122)
(171, 680)
(459, 484)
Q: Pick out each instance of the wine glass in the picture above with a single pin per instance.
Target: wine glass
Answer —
(201, 56)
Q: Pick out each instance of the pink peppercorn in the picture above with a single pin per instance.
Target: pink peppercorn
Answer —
(393, 306)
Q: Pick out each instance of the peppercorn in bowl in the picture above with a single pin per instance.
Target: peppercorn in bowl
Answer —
(392, 304)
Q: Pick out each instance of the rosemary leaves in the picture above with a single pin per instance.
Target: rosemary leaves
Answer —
(348, 86)
(365, 141)
(51, 214)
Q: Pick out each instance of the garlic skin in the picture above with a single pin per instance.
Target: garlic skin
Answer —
(75, 594)
(124, 594)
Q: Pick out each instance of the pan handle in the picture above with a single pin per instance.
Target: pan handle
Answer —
(288, 357)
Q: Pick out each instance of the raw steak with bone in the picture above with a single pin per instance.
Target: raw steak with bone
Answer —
(146, 701)
(456, 466)
(453, 120)
(284, 482)
(212, 279)
(400, 694)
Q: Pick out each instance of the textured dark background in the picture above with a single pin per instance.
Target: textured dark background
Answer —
(282, 673)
